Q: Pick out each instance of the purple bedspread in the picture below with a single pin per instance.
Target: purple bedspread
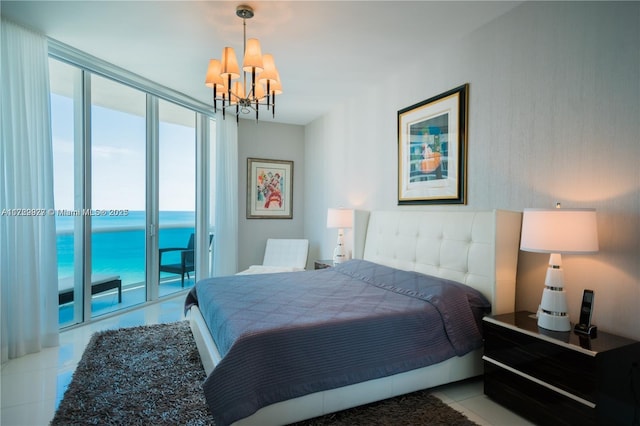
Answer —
(286, 335)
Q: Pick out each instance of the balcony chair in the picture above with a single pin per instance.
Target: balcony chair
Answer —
(281, 255)
(186, 264)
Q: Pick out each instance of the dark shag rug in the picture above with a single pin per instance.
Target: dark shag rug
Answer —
(152, 375)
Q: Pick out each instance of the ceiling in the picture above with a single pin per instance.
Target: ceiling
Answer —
(326, 51)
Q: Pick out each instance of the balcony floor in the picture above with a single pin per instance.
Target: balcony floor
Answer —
(132, 295)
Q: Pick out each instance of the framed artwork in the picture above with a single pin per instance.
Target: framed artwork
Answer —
(269, 189)
(432, 150)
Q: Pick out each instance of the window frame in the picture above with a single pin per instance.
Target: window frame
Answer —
(90, 65)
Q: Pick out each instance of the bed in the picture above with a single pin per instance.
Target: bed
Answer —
(260, 375)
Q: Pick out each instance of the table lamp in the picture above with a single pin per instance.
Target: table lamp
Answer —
(341, 219)
(557, 231)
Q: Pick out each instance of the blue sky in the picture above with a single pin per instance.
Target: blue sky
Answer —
(118, 160)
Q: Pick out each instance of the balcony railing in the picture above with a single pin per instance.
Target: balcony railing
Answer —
(117, 265)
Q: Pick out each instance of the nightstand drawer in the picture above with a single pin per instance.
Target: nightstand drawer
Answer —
(560, 377)
(541, 404)
(567, 369)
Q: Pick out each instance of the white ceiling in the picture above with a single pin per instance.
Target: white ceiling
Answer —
(325, 50)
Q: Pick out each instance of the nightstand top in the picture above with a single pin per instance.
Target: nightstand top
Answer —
(526, 322)
(323, 263)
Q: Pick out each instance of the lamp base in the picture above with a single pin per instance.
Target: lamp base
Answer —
(553, 322)
(552, 314)
(339, 255)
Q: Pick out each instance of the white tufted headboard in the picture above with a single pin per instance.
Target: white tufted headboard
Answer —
(479, 249)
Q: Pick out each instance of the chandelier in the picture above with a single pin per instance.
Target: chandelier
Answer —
(223, 76)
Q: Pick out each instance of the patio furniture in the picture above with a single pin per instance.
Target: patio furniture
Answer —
(186, 264)
(99, 284)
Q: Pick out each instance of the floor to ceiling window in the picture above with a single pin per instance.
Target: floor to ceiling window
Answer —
(177, 197)
(66, 82)
(116, 183)
(118, 195)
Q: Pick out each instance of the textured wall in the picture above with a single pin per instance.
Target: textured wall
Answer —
(554, 115)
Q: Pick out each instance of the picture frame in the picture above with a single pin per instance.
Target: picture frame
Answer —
(269, 189)
(432, 150)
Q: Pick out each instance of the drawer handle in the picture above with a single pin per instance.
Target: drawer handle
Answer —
(540, 382)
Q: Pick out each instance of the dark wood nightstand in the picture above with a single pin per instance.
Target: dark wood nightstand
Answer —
(322, 264)
(560, 377)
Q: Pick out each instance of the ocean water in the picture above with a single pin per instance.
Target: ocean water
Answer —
(118, 243)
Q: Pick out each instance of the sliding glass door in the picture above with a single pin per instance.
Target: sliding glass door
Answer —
(125, 167)
(177, 197)
(66, 129)
(118, 188)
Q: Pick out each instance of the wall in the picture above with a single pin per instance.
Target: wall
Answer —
(554, 115)
(277, 142)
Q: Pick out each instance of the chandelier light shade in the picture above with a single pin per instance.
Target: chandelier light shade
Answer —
(229, 64)
(252, 56)
(260, 82)
(557, 231)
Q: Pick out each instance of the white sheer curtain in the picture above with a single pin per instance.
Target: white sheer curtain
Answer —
(225, 252)
(28, 261)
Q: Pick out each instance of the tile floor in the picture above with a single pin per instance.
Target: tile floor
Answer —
(31, 387)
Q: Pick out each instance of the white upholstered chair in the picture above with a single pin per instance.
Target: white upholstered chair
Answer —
(282, 255)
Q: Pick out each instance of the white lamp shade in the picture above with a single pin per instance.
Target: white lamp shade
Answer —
(252, 56)
(213, 76)
(276, 86)
(270, 72)
(259, 91)
(339, 218)
(565, 231)
(229, 63)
